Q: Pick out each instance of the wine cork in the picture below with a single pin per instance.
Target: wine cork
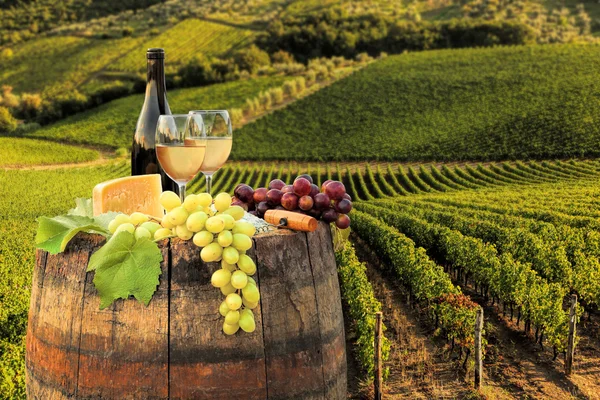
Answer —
(291, 220)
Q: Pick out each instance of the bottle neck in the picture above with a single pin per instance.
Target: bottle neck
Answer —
(156, 86)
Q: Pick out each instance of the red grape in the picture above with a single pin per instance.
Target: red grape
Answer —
(302, 187)
(330, 215)
(276, 184)
(322, 201)
(279, 208)
(335, 190)
(274, 197)
(343, 221)
(305, 203)
(347, 197)
(244, 192)
(260, 195)
(343, 206)
(324, 185)
(314, 190)
(289, 201)
(314, 213)
(305, 176)
(237, 186)
(262, 208)
(287, 189)
(238, 202)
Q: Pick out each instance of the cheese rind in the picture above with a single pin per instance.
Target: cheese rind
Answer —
(129, 194)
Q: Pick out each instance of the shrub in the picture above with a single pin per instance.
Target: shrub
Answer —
(6, 54)
(265, 101)
(276, 95)
(290, 88)
(250, 108)
(30, 105)
(62, 105)
(199, 71)
(310, 77)
(282, 57)
(9, 100)
(236, 115)
(251, 59)
(363, 58)
(300, 84)
(127, 31)
(110, 92)
(7, 122)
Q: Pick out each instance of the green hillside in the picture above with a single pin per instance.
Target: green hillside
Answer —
(21, 151)
(112, 124)
(472, 104)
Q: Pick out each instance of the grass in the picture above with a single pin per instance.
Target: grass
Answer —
(22, 152)
(112, 124)
(478, 104)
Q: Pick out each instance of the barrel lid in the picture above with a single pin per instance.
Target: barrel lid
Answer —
(155, 53)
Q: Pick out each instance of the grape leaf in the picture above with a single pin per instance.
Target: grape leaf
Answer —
(54, 234)
(104, 219)
(84, 208)
(125, 266)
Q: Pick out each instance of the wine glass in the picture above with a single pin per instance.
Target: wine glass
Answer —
(217, 126)
(180, 147)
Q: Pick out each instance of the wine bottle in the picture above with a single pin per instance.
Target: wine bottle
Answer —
(143, 154)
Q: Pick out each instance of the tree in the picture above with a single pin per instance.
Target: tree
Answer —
(7, 122)
(251, 59)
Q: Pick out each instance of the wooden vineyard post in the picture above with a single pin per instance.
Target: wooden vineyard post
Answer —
(571, 340)
(378, 367)
(478, 351)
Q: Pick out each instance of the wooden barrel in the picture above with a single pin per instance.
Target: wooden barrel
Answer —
(175, 348)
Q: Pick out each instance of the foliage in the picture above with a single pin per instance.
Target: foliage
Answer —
(7, 122)
(251, 59)
(487, 104)
(357, 293)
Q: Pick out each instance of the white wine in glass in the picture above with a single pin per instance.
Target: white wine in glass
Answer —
(180, 147)
(219, 140)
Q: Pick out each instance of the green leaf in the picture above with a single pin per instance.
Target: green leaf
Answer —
(104, 219)
(54, 234)
(126, 267)
(84, 208)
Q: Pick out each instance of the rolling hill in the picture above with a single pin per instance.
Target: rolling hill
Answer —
(472, 104)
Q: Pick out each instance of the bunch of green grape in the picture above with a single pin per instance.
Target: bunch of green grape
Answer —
(217, 228)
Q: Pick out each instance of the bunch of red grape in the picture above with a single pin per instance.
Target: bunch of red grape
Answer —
(331, 203)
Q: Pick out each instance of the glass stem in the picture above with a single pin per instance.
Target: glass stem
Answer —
(208, 183)
(181, 191)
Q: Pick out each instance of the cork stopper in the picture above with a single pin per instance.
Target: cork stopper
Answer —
(291, 220)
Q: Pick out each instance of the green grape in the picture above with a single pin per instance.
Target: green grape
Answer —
(151, 226)
(162, 233)
(223, 309)
(214, 225)
(231, 255)
(228, 289)
(203, 238)
(183, 233)
(177, 216)
(241, 242)
(205, 199)
(196, 221)
(244, 227)
(142, 233)
(138, 218)
(225, 265)
(232, 317)
(169, 200)
(250, 293)
(113, 225)
(230, 329)
(246, 264)
(247, 322)
(236, 212)
(220, 278)
(249, 304)
(128, 227)
(234, 301)
(165, 223)
(191, 202)
(222, 201)
(251, 281)
(211, 253)
(122, 219)
(228, 220)
(225, 238)
(239, 279)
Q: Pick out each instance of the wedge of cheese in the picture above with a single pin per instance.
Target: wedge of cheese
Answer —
(128, 195)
